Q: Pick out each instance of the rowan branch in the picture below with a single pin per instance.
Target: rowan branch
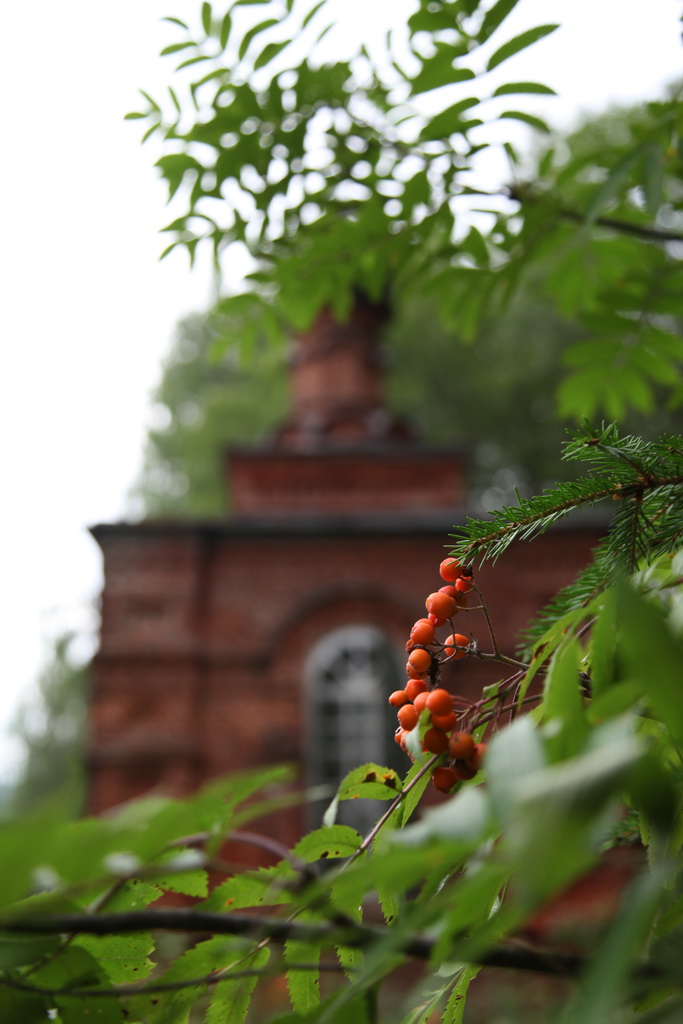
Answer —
(511, 957)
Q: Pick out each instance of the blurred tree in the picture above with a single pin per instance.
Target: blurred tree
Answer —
(51, 725)
(202, 405)
(339, 175)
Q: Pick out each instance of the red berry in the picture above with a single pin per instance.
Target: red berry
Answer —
(461, 745)
(463, 585)
(462, 771)
(435, 620)
(444, 778)
(476, 758)
(435, 741)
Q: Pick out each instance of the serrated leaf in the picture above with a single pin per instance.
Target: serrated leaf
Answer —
(264, 887)
(124, 958)
(303, 986)
(524, 87)
(371, 782)
(455, 1007)
(519, 43)
(230, 999)
(333, 841)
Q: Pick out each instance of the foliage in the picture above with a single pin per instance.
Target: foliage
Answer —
(596, 762)
(207, 404)
(362, 173)
(51, 726)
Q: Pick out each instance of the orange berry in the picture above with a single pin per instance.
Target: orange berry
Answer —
(399, 735)
(414, 687)
(412, 672)
(398, 698)
(450, 569)
(422, 632)
(444, 778)
(441, 605)
(452, 643)
(435, 741)
(408, 716)
(461, 745)
(420, 701)
(435, 620)
(439, 702)
(451, 591)
(420, 660)
(461, 599)
(463, 585)
(445, 722)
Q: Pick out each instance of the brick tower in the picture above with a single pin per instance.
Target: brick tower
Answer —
(276, 634)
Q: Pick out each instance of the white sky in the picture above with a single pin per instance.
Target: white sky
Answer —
(87, 311)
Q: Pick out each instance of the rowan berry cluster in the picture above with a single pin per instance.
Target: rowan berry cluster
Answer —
(425, 706)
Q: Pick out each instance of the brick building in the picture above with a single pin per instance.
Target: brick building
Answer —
(277, 633)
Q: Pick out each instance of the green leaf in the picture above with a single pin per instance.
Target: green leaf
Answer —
(206, 17)
(226, 26)
(519, 43)
(264, 887)
(436, 72)
(330, 841)
(269, 53)
(124, 958)
(514, 753)
(652, 655)
(465, 818)
(616, 179)
(176, 48)
(610, 968)
(230, 999)
(455, 1007)
(177, 21)
(312, 13)
(372, 782)
(303, 986)
(253, 32)
(534, 122)
(495, 17)
(448, 122)
(563, 703)
(524, 87)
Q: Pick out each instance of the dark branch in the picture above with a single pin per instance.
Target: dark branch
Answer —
(260, 928)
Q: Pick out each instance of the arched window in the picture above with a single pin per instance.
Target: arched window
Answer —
(350, 674)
